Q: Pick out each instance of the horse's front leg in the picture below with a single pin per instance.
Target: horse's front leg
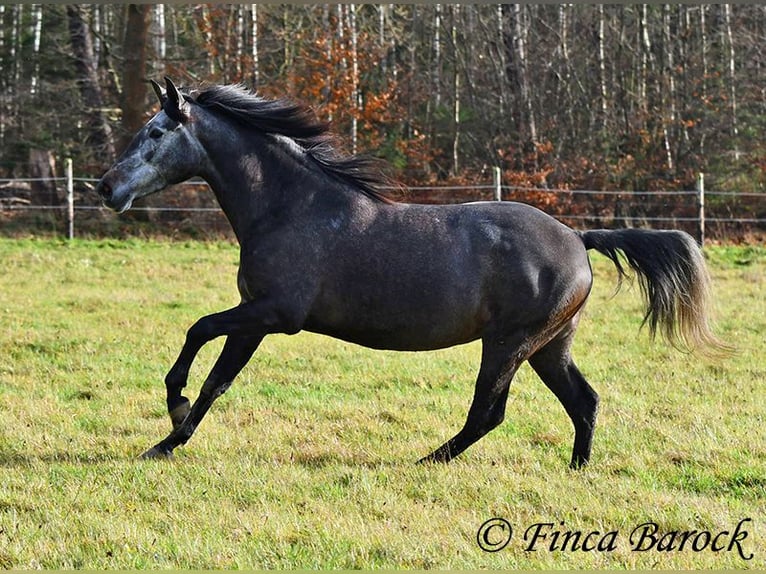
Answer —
(245, 325)
(176, 379)
(247, 319)
(236, 352)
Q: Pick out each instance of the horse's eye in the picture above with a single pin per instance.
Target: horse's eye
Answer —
(156, 133)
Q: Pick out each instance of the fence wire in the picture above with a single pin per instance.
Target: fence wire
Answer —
(724, 208)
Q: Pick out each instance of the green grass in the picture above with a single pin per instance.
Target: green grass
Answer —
(308, 460)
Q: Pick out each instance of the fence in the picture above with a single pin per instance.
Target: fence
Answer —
(190, 209)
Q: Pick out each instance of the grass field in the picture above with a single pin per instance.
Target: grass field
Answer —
(307, 462)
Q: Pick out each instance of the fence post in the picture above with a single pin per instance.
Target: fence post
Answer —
(498, 186)
(701, 209)
(69, 198)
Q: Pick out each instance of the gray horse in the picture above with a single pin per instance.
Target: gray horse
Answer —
(323, 250)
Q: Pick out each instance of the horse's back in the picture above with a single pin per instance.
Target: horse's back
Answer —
(514, 238)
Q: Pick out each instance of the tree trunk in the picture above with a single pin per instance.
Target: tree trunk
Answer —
(732, 80)
(436, 63)
(456, 97)
(207, 26)
(42, 170)
(501, 83)
(100, 132)
(566, 102)
(668, 92)
(160, 41)
(603, 94)
(18, 17)
(3, 82)
(356, 100)
(37, 11)
(705, 71)
(646, 61)
(254, 45)
(239, 41)
(134, 71)
(522, 69)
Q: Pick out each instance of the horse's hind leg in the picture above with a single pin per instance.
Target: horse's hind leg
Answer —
(554, 364)
(499, 363)
(236, 352)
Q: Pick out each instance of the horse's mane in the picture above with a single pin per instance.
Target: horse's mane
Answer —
(300, 123)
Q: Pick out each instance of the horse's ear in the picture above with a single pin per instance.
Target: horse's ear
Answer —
(175, 106)
(158, 90)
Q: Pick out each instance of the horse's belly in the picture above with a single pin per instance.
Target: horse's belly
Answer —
(415, 325)
(410, 339)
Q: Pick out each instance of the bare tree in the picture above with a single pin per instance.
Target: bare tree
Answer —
(455, 95)
(99, 130)
(37, 29)
(356, 98)
(519, 45)
(667, 87)
(160, 40)
(254, 45)
(635, 94)
(602, 81)
(731, 69)
(436, 62)
(3, 82)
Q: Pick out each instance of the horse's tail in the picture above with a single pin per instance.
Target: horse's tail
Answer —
(673, 278)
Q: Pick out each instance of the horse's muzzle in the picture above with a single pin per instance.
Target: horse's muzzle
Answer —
(104, 190)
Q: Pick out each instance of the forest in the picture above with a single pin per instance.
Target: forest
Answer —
(628, 97)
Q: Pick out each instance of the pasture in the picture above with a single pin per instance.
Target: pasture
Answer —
(307, 461)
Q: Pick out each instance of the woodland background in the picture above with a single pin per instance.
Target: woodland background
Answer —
(566, 96)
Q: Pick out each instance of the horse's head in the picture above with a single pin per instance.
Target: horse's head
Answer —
(165, 151)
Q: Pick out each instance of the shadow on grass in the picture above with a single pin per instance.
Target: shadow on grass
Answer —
(322, 460)
(15, 459)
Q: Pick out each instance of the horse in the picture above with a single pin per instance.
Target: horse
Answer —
(324, 249)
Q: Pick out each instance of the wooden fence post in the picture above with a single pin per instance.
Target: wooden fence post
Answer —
(69, 198)
(498, 184)
(701, 209)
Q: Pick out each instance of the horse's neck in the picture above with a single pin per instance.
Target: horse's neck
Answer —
(252, 181)
(245, 178)
(235, 189)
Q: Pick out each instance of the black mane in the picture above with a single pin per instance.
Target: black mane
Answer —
(298, 122)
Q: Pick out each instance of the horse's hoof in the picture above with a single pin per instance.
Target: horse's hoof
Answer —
(578, 463)
(178, 414)
(434, 458)
(155, 453)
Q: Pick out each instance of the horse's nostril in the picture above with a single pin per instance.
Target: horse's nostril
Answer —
(105, 190)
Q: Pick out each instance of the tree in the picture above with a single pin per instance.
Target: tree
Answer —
(622, 96)
(134, 86)
(99, 129)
